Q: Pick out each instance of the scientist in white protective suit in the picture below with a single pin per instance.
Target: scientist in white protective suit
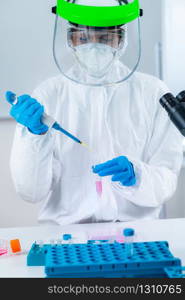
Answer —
(136, 150)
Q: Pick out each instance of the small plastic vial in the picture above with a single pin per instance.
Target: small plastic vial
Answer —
(10, 247)
(3, 247)
(59, 242)
(67, 238)
(40, 243)
(53, 242)
(98, 184)
(129, 239)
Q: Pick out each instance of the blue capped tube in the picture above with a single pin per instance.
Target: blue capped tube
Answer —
(67, 238)
(129, 239)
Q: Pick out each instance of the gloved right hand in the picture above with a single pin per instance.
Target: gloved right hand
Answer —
(28, 112)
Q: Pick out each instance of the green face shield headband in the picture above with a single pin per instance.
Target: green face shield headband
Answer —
(104, 16)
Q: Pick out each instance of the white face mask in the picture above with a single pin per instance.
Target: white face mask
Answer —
(95, 58)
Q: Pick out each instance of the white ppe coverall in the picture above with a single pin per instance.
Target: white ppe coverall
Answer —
(124, 119)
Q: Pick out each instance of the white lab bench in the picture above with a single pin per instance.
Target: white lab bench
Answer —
(171, 230)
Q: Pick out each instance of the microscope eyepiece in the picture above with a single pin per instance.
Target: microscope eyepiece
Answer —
(168, 101)
(175, 107)
(181, 96)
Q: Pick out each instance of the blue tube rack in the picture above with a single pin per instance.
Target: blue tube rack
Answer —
(37, 255)
(175, 272)
(103, 260)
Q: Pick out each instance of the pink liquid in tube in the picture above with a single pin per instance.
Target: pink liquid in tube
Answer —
(3, 251)
(99, 187)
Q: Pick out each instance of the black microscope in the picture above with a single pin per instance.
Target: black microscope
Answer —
(175, 107)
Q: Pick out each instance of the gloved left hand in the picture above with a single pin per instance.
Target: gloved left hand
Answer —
(121, 169)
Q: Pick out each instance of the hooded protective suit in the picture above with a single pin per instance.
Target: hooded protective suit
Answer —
(120, 120)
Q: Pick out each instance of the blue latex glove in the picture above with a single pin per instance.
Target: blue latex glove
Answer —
(28, 112)
(121, 169)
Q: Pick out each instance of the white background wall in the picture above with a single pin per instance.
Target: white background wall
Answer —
(28, 29)
(151, 35)
(174, 44)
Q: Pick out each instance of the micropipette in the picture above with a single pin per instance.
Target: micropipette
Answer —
(51, 123)
(47, 120)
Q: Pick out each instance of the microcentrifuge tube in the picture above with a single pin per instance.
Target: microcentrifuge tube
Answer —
(3, 247)
(59, 242)
(53, 242)
(67, 238)
(99, 187)
(40, 243)
(10, 247)
(129, 239)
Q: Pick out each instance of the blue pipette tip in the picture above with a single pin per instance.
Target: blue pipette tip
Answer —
(58, 127)
(128, 232)
(10, 97)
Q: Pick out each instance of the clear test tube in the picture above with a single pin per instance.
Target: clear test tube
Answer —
(53, 242)
(59, 242)
(98, 184)
(4, 247)
(129, 240)
(98, 179)
(40, 243)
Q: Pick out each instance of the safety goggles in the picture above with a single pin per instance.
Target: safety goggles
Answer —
(113, 37)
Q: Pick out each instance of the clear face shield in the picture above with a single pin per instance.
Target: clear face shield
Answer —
(96, 56)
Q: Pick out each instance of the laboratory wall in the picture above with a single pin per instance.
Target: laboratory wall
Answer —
(28, 29)
(151, 35)
(173, 33)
